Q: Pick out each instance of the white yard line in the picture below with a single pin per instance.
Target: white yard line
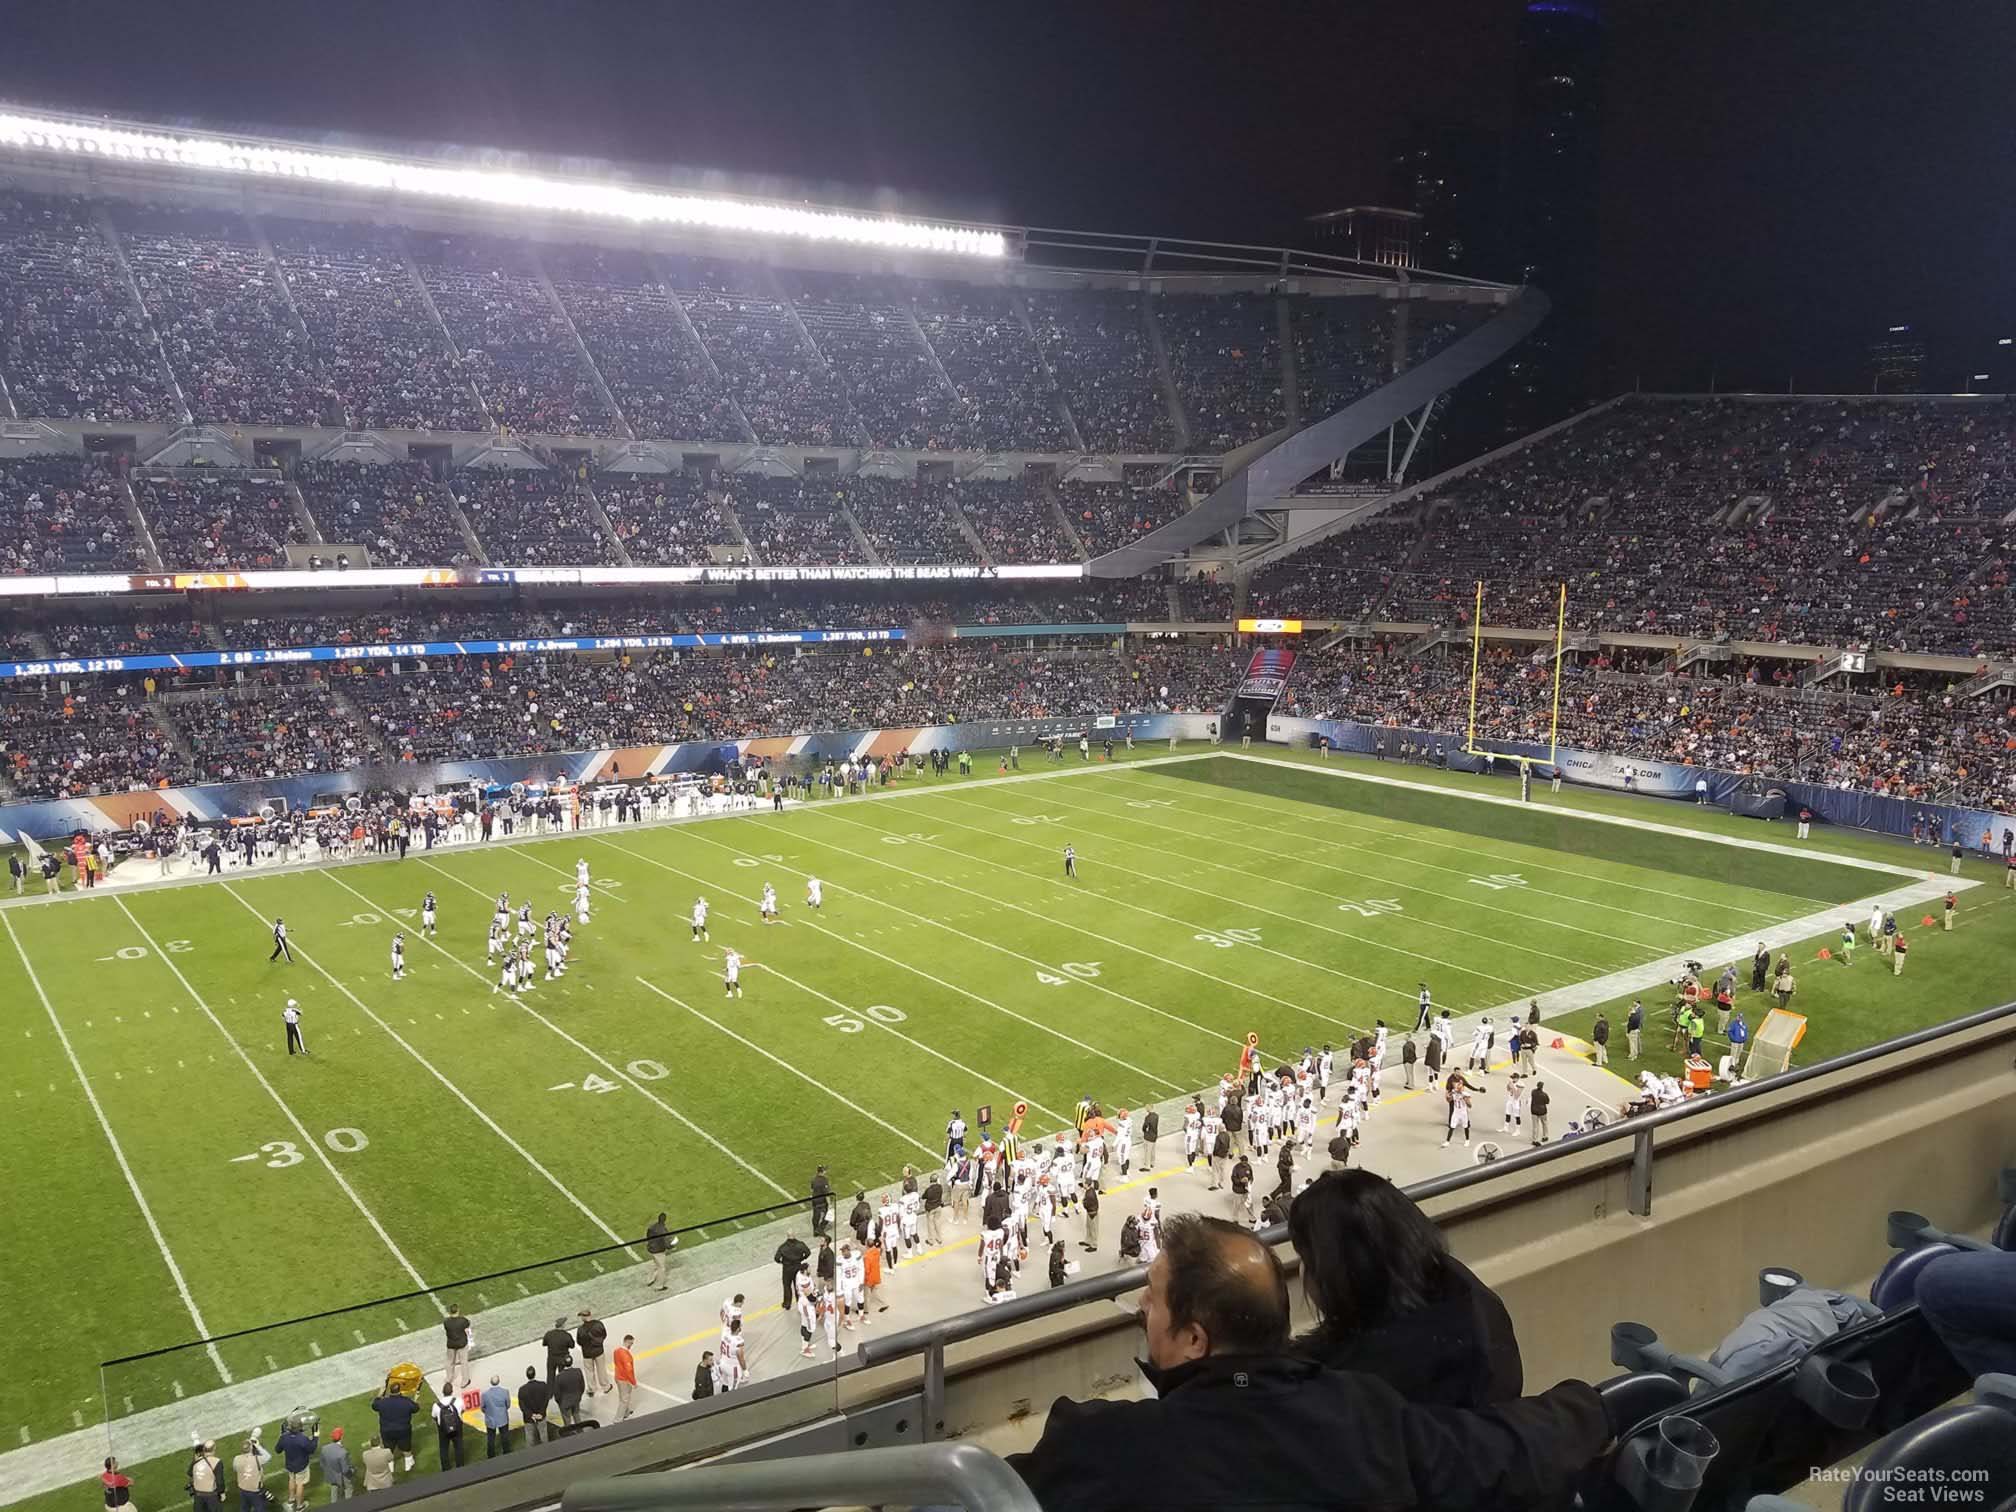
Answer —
(1282, 882)
(119, 1155)
(460, 1096)
(993, 901)
(1385, 852)
(1186, 924)
(934, 1155)
(308, 1140)
(866, 1018)
(1644, 826)
(596, 1056)
(1302, 844)
(961, 991)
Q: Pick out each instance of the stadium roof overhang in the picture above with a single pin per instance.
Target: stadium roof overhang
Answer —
(1274, 472)
(610, 205)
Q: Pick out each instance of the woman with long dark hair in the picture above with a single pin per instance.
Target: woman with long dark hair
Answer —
(1392, 1301)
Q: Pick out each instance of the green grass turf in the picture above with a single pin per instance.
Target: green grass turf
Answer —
(952, 965)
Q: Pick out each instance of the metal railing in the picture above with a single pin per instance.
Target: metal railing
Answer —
(932, 1339)
(963, 1475)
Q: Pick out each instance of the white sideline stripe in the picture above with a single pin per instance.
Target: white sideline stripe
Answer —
(1303, 843)
(934, 1155)
(866, 1018)
(1635, 979)
(119, 1154)
(1649, 826)
(1244, 987)
(307, 1139)
(1168, 879)
(460, 1096)
(606, 1065)
(919, 971)
(1522, 862)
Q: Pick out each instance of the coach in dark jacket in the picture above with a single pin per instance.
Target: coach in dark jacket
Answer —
(1391, 1301)
(1238, 1422)
(569, 1386)
(791, 1257)
(559, 1342)
(533, 1397)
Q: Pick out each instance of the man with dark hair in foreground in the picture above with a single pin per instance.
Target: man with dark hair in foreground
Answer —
(1238, 1422)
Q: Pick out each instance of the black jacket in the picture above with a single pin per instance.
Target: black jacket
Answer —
(934, 1195)
(569, 1386)
(994, 1212)
(559, 1344)
(1151, 1126)
(533, 1397)
(1221, 1147)
(703, 1381)
(1235, 1114)
(590, 1335)
(1601, 1032)
(1302, 1436)
(792, 1254)
(827, 1262)
(1457, 1351)
(1539, 1102)
(858, 1221)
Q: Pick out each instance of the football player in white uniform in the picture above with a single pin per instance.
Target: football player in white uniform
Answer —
(581, 902)
(427, 915)
(767, 907)
(731, 975)
(700, 920)
(814, 897)
(851, 1276)
(398, 957)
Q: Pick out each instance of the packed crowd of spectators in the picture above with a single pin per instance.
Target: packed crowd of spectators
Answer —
(906, 519)
(379, 346)
(63, 514)
(1817, 522)
(877, 354)
(665, 519)
(269, 727)
(513, 338)
(645, 351)
(1342, 352)
(73, 345)
(166, 634)
(531, 517)
(1107, 515)
(1911, 738)
(204, 523)
(793, 522)
(789, 397)
(1014, 520)
(991, 358)
(1097, 345)
(238, 350)
(66, 739)
(1225, 355)
(395, 510)
(1345, 576)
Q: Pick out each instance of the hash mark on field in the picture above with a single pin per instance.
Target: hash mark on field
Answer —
(524, 1290)
(400, 1324)
(129, 1403)
(76, 1419)
(272, 1365)
(562, 1275)
(358, 1335)
(315, 1349)
(482, 1300)
(176, 1387)
(24, 1435)
(598, 1266)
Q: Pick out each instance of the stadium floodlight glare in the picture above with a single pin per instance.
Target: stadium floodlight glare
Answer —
(2004, 341)
(488, 186)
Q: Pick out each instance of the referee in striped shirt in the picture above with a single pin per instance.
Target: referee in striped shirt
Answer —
(280, 941)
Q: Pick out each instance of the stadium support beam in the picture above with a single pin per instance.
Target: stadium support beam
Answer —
(1275, 473)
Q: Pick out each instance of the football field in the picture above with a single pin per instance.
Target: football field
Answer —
(175, 1175)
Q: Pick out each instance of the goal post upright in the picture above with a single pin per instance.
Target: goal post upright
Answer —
(1560, 649)
(1476, 650)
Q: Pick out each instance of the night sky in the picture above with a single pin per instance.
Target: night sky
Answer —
(1780, 180)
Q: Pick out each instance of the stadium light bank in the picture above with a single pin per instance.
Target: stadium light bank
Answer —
(417, 179)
